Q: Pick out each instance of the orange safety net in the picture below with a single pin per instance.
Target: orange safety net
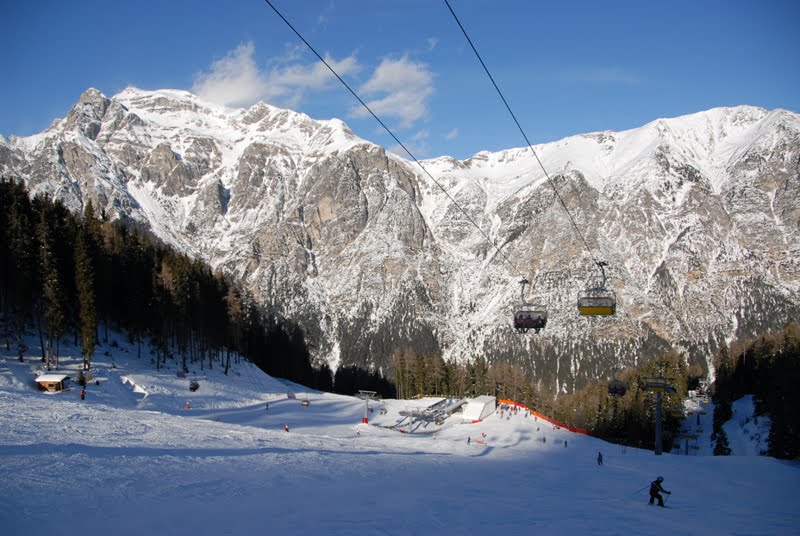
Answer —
(544, 417)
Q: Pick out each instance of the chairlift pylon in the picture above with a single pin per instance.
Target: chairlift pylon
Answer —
(598, 300)
(527, 315)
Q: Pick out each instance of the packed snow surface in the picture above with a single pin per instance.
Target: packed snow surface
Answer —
(142, 454)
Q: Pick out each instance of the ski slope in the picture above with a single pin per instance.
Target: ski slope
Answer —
(132, 459)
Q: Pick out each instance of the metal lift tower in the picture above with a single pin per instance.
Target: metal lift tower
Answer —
(659, 385)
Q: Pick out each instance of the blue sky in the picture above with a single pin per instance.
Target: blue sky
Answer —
(565, 67)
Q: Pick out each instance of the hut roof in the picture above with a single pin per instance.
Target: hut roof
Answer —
(52, 378)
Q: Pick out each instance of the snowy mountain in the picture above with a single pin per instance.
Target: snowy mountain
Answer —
(132, 459)
(697, 217)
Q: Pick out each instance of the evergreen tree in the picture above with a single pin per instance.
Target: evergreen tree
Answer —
(22, 265)
(721, 447)
(85, 284)
(52, 289)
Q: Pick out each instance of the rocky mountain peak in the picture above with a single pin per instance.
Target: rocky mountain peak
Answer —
(697, 217)
(87, 114)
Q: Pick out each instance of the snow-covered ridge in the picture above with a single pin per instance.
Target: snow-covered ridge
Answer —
(184, 114)
(710, 141)
(696, 216)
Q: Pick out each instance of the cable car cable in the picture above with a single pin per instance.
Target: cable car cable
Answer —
(378, 119)
(530, 146)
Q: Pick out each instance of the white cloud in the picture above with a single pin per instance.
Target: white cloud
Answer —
(453, 134)
(314, 76)
(236, 80)
(421, 135)
(416, 144)
(400, 88)
(432, 42)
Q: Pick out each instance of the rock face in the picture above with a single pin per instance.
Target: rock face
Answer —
(698, 218)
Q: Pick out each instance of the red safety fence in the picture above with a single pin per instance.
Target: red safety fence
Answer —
(544, 417)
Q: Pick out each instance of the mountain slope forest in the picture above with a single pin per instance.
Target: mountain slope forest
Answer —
(767, 367)
(70, 275)
(696, 218)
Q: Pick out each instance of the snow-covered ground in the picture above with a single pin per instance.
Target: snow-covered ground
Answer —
(132, 459)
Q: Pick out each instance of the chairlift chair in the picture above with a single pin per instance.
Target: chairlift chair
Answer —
(598, 300)
(529, 315)
(617, 387)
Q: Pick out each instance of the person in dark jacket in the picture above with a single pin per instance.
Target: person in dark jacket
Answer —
(656, 489)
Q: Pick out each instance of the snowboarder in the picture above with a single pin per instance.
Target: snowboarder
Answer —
(655, 488)
(83, 394)
(285, 427)
(599, 458)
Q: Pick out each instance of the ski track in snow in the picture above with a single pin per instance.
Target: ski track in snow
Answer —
(131, 459)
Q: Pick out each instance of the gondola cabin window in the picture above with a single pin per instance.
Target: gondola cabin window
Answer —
(597, 305)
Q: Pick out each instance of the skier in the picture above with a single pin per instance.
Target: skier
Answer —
(469, 440)
(267, 407)
(599, 458)
(655, 488)
(83, 394)
(285, 427)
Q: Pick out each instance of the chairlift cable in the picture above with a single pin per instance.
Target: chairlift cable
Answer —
(530, 146)
(395, 138)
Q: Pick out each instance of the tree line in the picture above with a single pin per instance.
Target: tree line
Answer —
(80, 275)
(627, 419)
(417, 374)
(630, 418)
(767, 367)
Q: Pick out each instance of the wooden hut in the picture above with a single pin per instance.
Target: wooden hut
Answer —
(52, 382)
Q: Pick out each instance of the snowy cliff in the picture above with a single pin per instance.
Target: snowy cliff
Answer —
(697, 217)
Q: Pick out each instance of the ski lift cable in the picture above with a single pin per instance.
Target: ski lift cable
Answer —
(395, 138)
(530, 146)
